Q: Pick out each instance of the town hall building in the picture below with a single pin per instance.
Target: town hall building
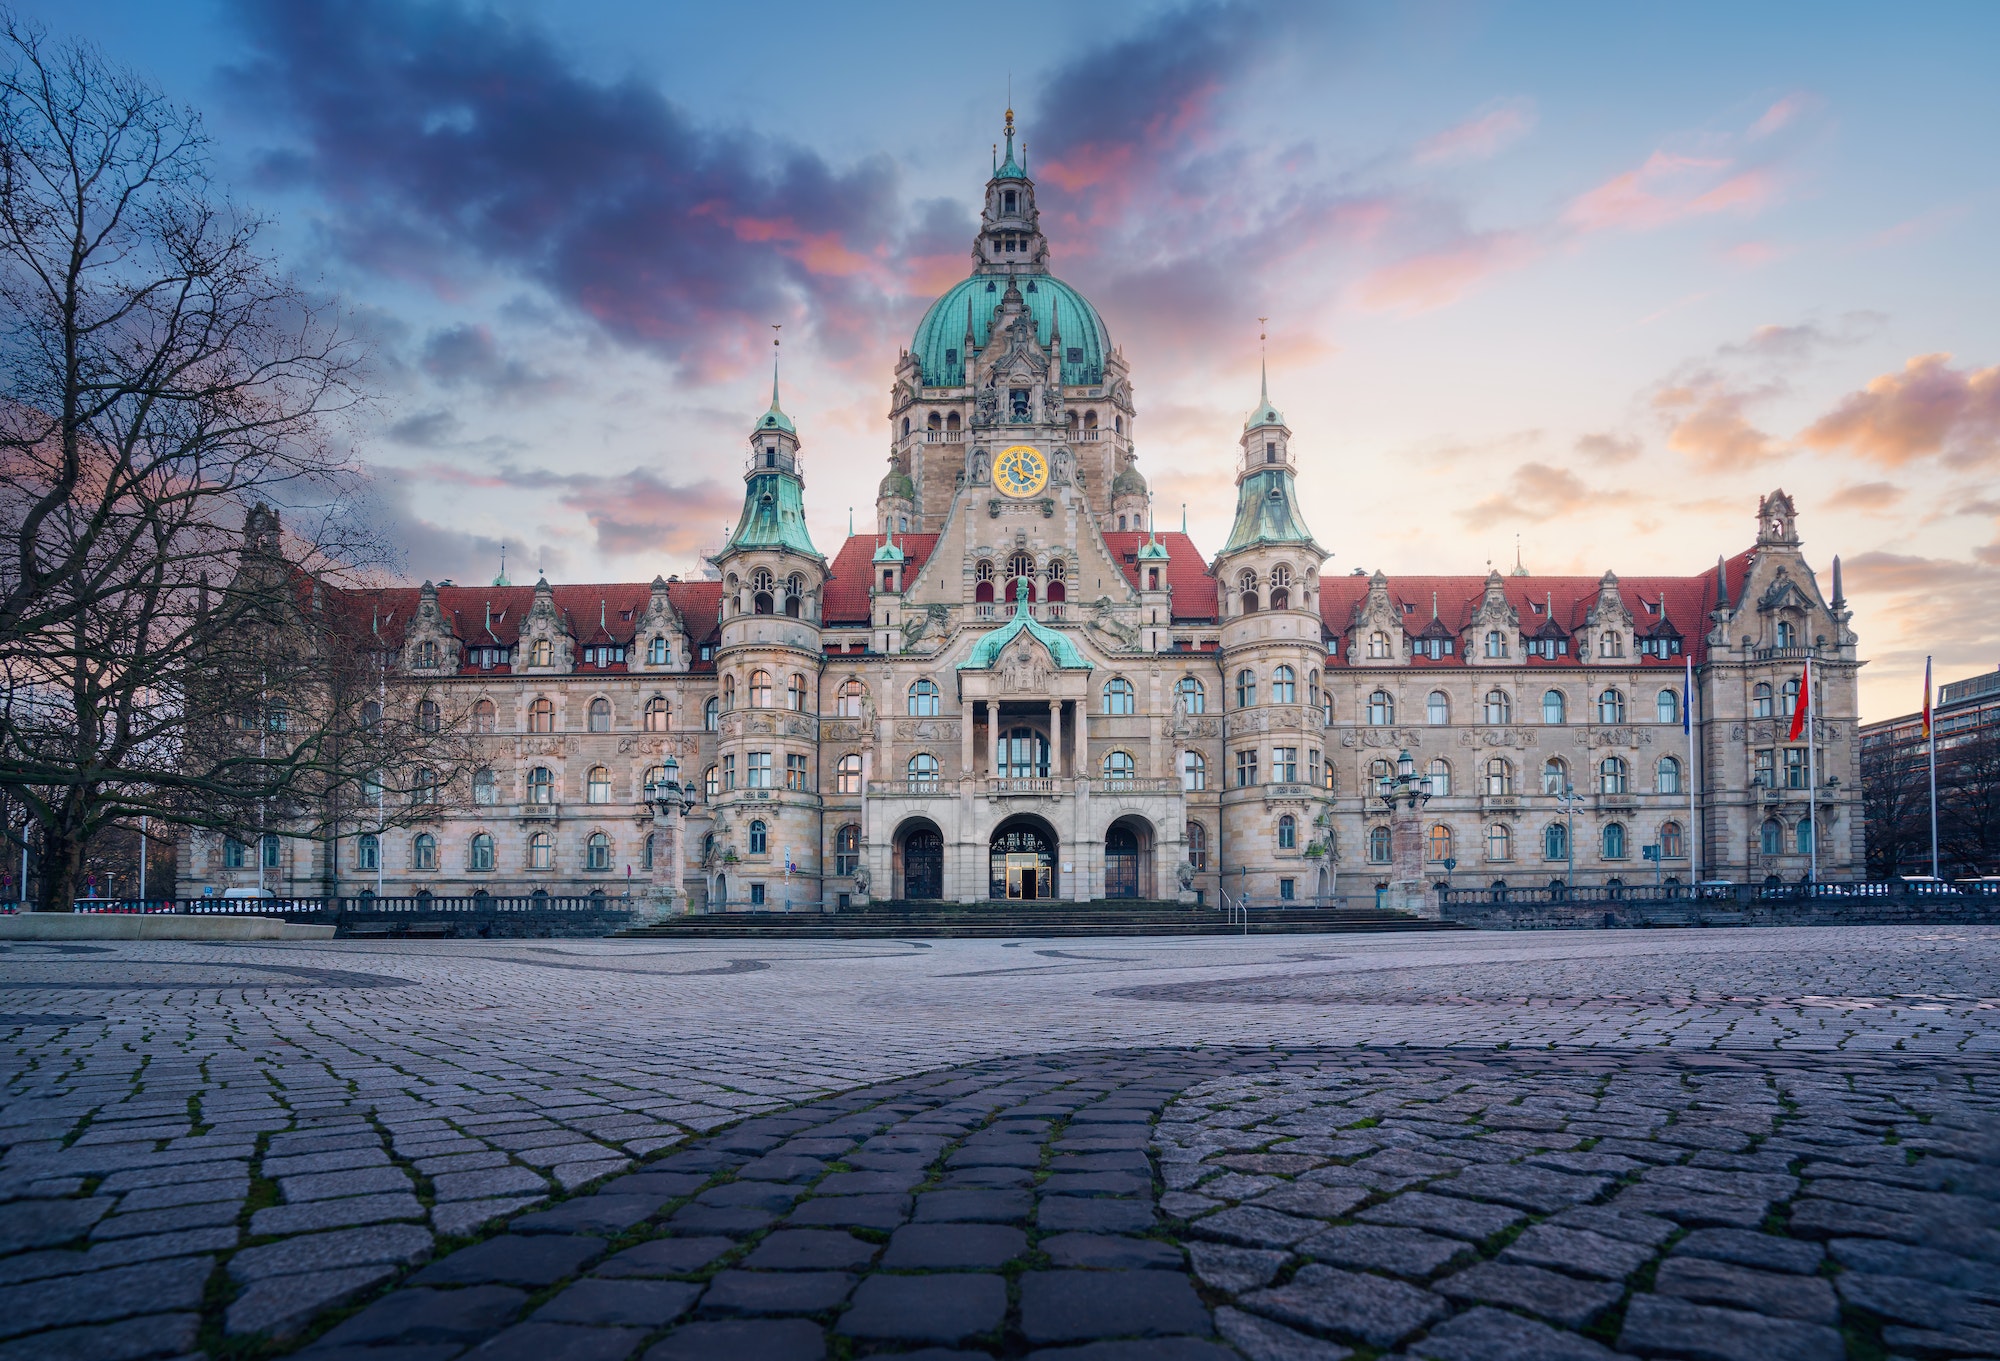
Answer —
(1015, 689)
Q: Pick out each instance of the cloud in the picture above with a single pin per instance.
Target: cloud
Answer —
(1537, 492)
(426, 551)
(633, 513)
(1604, 447)
(1929, 408)
(1667, 188)
(1438, 278)
(1705, 405)
(446, 139)
(1939, 605)
(1705, 421)
(1782, 114)
(467, 356)
(1480, 136)
(1865, 496)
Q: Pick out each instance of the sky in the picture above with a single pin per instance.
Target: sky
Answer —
(1577, 281)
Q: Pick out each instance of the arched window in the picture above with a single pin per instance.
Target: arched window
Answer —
(923, 768)
(1312, 689)
(924, 699)
(1118, 765)
(1194, 771)
(1284, 686)
(760, 689)
(1378, 644)
(711, 714)
(795, 694)
(1496, 643)
(1611, 775)
(1611, 707)
(541, 652)
(761, 600)
(1760, 701)
(657, 714)
(1437, 845)
(1670, 775)
(1499, 707)
(1673, 846)
(1197, 847)
(599, 788)
(1246, 688)
(1288, 833)
(541, 852)
(424, 786)
(1614, 841)
(760, 837)
(600, 715)
(846, 849)
(430, 718)
(1326, 707)
(1771, 839)
(646, 853)
(424, 853)
(657, 653)
(1555, 842)
(1667, 707)
(1555, 709)
(367, 852)
(795, 595)
(1118, 696)
(1499, 842)
(1381, 709)
(1438, 778)
(1790, 703)
(597, 852)
(482, 852)
(1499, 776)
(711, 783)
(1802, 837)
(542, 715)
(1193, 698)
(729, 692)
(1378, 845)
(1246, 585)
(655, 777)
(485, 789)
(541, 785)
(1379, 772)
(847, 774)
(1555, 775)
(847, 704)
(1437, 709)
(484, 717)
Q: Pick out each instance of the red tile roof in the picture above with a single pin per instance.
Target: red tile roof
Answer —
(847, 581)
(1187, 571)
(491, 615)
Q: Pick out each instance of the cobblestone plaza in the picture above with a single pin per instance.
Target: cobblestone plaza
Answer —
(1726, 1143)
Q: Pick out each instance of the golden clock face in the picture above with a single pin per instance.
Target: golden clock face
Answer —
(1020, 471)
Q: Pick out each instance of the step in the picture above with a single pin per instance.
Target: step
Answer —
(992, 923)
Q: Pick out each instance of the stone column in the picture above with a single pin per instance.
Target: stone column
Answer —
(1055, 738)
(992, 739)
(965, 768)
(1407, 891)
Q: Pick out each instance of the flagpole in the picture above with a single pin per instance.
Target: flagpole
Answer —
(1694, 771)
(1812, 772)
(1930, 731)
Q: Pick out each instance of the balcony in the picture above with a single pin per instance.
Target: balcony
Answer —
(1499, 803)
(1020, 786)
(944, 437)
(540, 812)
(1148, 784)
(1286, 789)
(1782, 654)
(910, 789)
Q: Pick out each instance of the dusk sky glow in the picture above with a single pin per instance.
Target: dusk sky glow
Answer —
(1592, 275)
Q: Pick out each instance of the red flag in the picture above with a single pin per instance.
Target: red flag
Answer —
(1804, 704)
(1927, 698)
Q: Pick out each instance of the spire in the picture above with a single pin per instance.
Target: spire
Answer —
(501, 580)
(775, 418)
(1839, 596)
(1009, 169)
(1265, 414)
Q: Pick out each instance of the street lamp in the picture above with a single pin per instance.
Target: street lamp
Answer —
(668, 801)
(1404, 792)
(1569, 801)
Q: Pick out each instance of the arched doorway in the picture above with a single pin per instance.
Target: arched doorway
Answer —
(1022, 861)
(1128, 859)
(920, 859)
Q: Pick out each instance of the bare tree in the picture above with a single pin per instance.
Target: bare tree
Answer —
(167, 645)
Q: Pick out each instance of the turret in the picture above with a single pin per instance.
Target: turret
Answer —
(1010, 233)
(1271, 560)
(769, 565)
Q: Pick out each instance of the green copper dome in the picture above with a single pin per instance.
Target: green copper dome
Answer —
(940, 339)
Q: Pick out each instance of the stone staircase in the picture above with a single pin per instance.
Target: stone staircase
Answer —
(1115, 917)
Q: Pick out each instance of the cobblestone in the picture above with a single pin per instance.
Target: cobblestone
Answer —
(1722, 1118)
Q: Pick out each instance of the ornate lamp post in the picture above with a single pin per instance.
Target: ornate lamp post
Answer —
(1402, 795)
(669, 803)
(1569, 801)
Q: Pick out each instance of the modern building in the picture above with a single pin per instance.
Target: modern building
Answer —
(1896, 769)
(1015, 688)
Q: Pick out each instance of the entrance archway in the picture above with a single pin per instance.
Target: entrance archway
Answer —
(1128, 858)
(1022, 860)
(920, 859)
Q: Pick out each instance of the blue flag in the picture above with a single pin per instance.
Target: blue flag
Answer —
(1687, 698)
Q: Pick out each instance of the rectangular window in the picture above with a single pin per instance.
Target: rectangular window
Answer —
(1312, 767)
(1767, 768)
(756, 895)
(1284, 765)
(1795, 767)
(795, 773)
(1288, 889)
(233, 856)
(1246, 769)
(759, 770)
(728, 772)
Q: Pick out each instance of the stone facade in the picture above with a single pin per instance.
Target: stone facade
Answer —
(1015, 688)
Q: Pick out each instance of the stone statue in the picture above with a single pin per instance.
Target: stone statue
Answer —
(979, 467)
(987, 410)
(861, 879)
(1185, 873)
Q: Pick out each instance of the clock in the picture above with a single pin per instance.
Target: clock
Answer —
(1020, 471)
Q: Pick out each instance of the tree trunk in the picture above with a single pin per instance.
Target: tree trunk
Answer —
(62, 870)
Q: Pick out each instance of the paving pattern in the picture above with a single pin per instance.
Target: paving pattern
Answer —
(1672, 1143)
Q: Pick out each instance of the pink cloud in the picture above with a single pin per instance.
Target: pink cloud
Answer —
(1667, 188)
(1706, 423)
(1480, 136)
(1780, 114)
(1437, 278)
(1928, 408)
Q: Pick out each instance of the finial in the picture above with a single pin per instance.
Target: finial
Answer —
(850, 522)
(776, 327)
(1434, 604)
(1183, 517)
(1839, 596)
(1263, 361)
